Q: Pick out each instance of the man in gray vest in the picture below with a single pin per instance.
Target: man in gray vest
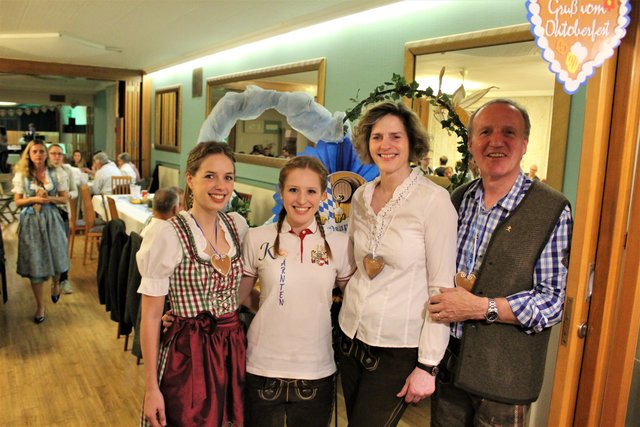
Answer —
(513, 245)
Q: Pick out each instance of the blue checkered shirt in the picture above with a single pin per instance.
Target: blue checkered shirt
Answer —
(540, 307)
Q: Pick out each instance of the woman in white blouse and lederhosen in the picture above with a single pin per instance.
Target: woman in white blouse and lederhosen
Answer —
(195, 375)
(403, 229)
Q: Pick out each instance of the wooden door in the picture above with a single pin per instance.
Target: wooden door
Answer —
(592, 380)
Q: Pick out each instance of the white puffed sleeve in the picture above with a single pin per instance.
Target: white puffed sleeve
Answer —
(18, 183)
(62, 179)
(248, 253)
(158, 257)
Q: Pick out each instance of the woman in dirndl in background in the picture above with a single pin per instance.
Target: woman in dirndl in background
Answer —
(42, 242)
(195, 372)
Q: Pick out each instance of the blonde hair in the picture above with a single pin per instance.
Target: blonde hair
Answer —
(25, 166)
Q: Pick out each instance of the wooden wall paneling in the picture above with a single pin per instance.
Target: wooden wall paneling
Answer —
(145, 124)
(587, 215)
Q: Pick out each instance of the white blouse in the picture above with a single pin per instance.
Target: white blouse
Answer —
(60, 175)
(161, 251)
(419, 251)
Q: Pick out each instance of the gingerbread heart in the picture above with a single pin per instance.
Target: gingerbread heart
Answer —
(373, 265)
(577, 36)
(463, 280)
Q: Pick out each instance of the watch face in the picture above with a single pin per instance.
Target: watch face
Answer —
(491, 316)
(434, 371)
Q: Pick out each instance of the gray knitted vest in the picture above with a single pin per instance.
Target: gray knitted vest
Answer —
(499, 361)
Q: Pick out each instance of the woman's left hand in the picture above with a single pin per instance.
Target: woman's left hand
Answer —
(418, 385)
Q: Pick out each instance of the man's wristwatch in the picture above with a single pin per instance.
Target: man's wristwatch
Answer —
(432, 370)
(492, 311)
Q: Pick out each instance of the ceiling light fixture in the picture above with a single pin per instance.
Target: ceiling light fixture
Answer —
(63, 36)
(7, 103)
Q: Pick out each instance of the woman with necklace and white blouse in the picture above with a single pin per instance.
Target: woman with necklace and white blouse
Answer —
(403, 231)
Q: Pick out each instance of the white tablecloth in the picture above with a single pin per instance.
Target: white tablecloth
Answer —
(134, 216)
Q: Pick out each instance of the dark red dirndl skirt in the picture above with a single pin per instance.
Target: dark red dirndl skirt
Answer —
(203, 380)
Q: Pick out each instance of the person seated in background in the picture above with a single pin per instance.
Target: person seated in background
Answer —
(104, 170)
(267, 151)
(425, 164)
(257, 150)
(448, 172)
(29, 135)
(286, 154)
(533, 170)
(127, 168)
(166, 203)
(443, 165)
(180, 192)
(77, 161)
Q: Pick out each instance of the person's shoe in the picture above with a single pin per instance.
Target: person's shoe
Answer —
(55, 297)
(65, 285)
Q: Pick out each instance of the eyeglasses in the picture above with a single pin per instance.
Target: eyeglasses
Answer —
(55, 154)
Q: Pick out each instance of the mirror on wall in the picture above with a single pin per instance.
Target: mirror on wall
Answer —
(508, 59)
(269, 140)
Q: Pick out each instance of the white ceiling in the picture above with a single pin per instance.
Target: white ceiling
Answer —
(145, 34)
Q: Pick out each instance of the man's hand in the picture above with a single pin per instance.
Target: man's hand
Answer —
(167, 320)
(456, 305)
(418, 385)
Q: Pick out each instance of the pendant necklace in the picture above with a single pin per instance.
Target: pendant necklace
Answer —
(220, 262)
(467, 279)
(374, 264)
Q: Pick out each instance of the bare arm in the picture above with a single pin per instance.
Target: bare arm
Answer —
(150, 343)
(247, 295)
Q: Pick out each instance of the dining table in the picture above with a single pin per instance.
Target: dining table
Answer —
(135, 215)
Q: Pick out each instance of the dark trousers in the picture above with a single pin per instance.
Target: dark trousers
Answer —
(65, 218)
(303, 403)
(454, 407)
(371, 378)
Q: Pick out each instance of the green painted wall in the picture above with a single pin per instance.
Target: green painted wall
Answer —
(359, 57)
(99, 121)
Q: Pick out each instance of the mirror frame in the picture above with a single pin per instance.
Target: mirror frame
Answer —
(494, 37)
(318, 65)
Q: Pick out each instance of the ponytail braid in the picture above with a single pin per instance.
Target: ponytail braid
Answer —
(276, 243)
(321, 228)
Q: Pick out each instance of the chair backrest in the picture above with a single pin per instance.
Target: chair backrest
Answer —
(89, 213)
(113, 210)
(244, 196)
(73, 213)
(121, 184)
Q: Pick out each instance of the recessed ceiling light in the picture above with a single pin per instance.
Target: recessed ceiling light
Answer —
(7, 103)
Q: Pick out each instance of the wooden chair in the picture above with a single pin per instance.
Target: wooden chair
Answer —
(105, 208)
(113, 210)
(8, 210)
(75, 224)
(93, 232)
(120, 184)
(244, 196)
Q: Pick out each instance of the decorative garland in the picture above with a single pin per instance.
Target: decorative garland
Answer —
(445, 111)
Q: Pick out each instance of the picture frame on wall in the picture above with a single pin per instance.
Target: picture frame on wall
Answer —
(272, 126)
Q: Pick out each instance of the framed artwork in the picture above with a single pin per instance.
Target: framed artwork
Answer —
(272, 126)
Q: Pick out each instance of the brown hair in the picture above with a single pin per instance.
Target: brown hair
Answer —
(302, 162)
(418, 138)
(25, 166)
(197, 156)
